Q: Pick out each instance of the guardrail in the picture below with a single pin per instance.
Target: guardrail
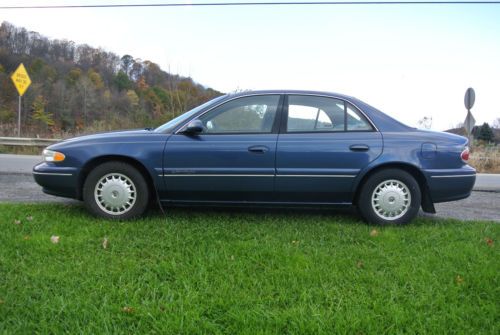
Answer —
(32, 142)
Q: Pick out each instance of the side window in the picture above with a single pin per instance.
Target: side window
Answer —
(253, 114)
(355, 120)
(311, 113)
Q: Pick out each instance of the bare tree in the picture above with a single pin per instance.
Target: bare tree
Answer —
(425, 122)
(496, 123)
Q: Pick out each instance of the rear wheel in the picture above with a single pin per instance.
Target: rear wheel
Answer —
(389, 196)
(116, 190)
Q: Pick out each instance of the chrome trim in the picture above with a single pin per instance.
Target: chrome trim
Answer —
(454, 176)
(317, 175)
(213, 175)
(52, 173)
(277, 93)
(258, 175)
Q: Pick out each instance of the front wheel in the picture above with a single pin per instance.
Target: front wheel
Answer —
(389, 196)
(116, 190)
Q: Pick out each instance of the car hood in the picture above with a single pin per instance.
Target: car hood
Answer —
(104, 137)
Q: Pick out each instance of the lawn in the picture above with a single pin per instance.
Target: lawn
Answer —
(199, 271)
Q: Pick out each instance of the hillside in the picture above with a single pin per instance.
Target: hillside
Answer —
(78, 89)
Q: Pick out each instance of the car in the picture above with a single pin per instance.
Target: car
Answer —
(265, 148)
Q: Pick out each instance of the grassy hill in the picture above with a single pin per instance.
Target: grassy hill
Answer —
(79, 88)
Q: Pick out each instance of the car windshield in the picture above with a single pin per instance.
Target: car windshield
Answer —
(172, 124)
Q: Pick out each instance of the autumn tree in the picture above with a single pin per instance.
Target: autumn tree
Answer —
(40, 114)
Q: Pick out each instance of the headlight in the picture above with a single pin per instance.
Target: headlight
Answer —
(53, 156)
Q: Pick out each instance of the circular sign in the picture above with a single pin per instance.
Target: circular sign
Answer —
(470, 98)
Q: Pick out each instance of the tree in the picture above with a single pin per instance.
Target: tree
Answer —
(122, 81)
(425, 122)
(39, 112)
(96, 79)
(127, 62)
(73, 76)
(485, 133)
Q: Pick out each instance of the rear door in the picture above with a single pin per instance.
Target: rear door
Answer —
(322, 146)
(232, 159)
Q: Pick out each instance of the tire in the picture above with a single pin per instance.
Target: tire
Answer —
(389, 196)
(116, 190)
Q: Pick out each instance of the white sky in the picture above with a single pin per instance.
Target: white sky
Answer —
(408, 61)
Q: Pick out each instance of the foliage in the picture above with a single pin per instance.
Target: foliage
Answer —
(485, 133)
(7, 116)
(85, 88)
(122, 81)
(198, 271)
(39, 112)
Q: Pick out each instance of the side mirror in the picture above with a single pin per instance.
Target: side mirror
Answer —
(194, 127)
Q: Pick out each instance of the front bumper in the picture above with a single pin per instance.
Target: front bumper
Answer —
(451, 184)
(57, 180)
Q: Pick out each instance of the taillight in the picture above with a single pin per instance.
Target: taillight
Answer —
(465, 155)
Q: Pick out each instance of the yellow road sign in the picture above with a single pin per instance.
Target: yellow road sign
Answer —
(21, 79)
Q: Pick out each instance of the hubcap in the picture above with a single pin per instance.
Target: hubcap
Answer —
(115, 193)
(391, 199)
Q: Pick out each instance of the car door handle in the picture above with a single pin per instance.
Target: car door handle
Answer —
(359, 147)
(258, 149)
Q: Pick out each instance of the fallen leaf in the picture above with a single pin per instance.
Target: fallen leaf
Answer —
(374, 233)
(1, 302)
(29, 218)
(295, 242)
(360, 264)
(488, 241)
(105, 243)
(459, 280)
(17, 221)
(54, 239)
(128, 310)
(26, 237)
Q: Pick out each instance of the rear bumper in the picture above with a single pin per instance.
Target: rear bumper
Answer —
(56, 180)
(450, 184)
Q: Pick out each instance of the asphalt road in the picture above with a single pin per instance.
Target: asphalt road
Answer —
(17, 185)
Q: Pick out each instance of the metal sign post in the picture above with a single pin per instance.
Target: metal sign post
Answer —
(469, 99)
(21, 81)
(19, 118)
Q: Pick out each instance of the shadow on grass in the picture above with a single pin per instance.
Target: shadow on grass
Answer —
(343, 215)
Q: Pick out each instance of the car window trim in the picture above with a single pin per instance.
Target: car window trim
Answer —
(284, 119)
(274, 128)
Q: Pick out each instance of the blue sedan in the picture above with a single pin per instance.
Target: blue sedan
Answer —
(262, 148)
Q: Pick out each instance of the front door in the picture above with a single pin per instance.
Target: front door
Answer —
(232, 159)
(322, 146)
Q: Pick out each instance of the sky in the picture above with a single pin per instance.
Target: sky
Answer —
(409, 61)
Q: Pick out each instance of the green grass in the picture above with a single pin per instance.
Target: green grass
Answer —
(226, 271)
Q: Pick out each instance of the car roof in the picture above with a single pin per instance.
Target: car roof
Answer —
(251, 92)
